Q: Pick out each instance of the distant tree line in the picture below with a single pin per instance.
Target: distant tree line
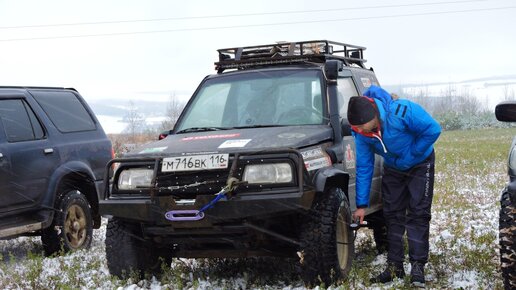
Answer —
(174, 109)
(138, 131)
(459, 109)
(136, 124)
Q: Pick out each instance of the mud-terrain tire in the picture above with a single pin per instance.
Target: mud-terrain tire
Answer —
(127, 252)
(327, 249)
(72, 227)
(507, 238)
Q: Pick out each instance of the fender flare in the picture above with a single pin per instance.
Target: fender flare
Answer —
(59, 173)
(331, 177)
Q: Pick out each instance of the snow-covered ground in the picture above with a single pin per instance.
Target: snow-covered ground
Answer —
(463, 251)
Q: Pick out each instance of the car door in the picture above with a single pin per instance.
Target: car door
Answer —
(346, 89)
(27, 159)
(5, 171)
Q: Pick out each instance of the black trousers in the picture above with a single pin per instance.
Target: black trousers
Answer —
(407, 200)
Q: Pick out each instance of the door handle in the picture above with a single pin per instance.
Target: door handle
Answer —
(1, 155)
(48, 150)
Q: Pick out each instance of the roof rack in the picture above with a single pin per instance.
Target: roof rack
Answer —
(289, 53)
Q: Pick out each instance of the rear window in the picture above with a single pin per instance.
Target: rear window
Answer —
(65, 110)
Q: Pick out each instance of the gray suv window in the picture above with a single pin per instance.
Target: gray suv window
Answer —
(346, 89)
(65, 110)
(20, 123)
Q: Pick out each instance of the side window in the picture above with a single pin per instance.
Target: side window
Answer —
(346, 89)
(36, 125)
(20, 123)
(65, 110)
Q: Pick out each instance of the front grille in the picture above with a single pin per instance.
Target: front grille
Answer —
(189, 184)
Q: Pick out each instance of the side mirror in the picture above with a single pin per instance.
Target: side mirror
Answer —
(345, 127)
(506, 111)
(163, 135)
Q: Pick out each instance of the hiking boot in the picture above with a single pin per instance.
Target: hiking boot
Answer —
(417, 275)
(393, 270)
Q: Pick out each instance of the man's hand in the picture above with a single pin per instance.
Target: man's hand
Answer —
(359, 215)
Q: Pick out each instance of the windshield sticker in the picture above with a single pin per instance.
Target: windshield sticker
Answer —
(366, 82)
(317, 163)
(206, 137)
(350, 157)
(153, 150)
(234, 143)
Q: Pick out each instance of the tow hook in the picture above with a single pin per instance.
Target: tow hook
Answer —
(355, 225)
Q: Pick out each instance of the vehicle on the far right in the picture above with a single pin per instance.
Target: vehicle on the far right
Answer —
(506, 112)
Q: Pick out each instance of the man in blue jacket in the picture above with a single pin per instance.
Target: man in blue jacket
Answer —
(403, 133)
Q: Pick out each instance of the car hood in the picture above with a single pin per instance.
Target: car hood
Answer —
(237, 140)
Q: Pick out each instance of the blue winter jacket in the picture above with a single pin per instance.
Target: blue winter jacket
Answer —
(408, 135)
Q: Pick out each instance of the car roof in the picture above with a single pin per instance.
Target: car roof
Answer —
(35, 88)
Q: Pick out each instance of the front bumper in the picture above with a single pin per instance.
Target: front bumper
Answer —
(237, 209)
(151, 204)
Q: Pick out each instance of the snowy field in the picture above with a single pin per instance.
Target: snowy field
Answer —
(470, 173)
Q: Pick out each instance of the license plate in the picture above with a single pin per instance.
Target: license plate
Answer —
(196, 162)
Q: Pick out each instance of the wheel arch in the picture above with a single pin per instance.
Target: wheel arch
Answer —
(74, 175)
(329, 177)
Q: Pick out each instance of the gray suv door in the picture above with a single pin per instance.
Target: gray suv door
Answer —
(28, 157)
(5, 170)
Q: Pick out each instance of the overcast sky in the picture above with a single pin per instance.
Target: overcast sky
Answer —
(151, 49)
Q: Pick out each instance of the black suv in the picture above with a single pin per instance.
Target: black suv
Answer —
(506, 112)
(53, 156)
(260, 162)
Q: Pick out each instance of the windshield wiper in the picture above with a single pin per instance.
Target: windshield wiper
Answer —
(259, 126)
(201, 129)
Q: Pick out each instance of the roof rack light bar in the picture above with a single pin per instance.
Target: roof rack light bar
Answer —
(289, 52)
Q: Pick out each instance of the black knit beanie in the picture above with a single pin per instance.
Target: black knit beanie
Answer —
(360, 111)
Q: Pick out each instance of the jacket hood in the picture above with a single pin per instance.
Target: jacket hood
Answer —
(380, 94)
(237, 140)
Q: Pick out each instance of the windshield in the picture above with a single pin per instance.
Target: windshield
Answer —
(252, 99)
